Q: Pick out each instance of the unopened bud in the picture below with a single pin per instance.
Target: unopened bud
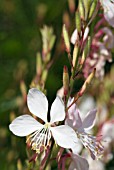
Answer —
(78, 21)
(44, 75)
(52, 41)
(93, 8)
(65, 80)
(87, 4)
(87, 81)
(38, 64)
(75, 54)
(66, 39)
(85, 52)
(81, 9)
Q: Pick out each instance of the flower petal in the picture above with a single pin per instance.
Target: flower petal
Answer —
(76, 121)
(78, 163)
(109, 11)
(78, 147)
(24, 125)
(74, 37)
(64, 136)
(89, 120)
(37, 103)
(57, 112)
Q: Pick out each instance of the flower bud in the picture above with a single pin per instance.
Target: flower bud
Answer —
(93, 8)
(44, 75)
(85, 52)
(78, 21)
(81, 9)
(66, 39)
(38, 64)
(87, 4)
(87, 81)
(75, 54)
(65, 80)
(48, 39)
(52, 41)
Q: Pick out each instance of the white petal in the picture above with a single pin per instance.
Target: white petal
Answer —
(76, 121)
(64, 136)
(109, 11)
(78, 163)
(86, 33)
(89, 120)
(24, 125)
(72, 166)
(78, 147)
(74, 37)
(72, 108)
(37, 103)
(57, 112)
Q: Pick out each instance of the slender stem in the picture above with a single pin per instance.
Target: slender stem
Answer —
(49, 155)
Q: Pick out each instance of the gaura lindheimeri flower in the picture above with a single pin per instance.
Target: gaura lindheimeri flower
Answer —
(78, 162)
(93, 164)
(107, 132)
(102, 43)
(108, 6)
(40, 134)
(80, 126)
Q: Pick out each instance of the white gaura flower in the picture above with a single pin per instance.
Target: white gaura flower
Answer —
(78, 163)
(80, 126)
(40, 134)
(108, 6)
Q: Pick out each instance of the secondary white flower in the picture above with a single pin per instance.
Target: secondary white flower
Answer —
(78, 162)
(40, 134)
(108, 6)
(81, 126)
(93, 164)
(107, 132)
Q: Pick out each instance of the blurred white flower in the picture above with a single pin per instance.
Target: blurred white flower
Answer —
(107, 132)
(87, 103)
(93, 164)
(108, 6)
(78, 162)
(101, 46)
(41, 133)
(108, 129)
(81, 126)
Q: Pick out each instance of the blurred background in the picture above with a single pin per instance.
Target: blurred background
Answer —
(20, 40)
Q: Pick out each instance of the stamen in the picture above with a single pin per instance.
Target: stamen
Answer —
(40, 138)
(91, 143)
